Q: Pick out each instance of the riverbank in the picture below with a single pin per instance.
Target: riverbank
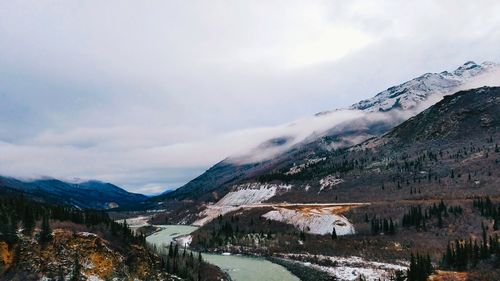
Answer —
(303, 272)
(236, 267)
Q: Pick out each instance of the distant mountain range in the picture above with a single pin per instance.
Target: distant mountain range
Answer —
(85, 195)
(358, 123)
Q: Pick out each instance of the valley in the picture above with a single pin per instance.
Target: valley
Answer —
(244, 268)
(415, 191)
(283, 140)
(402, 191)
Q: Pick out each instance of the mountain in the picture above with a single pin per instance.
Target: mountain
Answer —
(454, 143)
(88, 194)
(413, 93)
(466, 115)
(429, 185)
(339, 129)
(455, 138)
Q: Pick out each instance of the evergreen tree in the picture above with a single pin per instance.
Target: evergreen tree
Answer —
(302, 236)
(28, 221)
(46, 231)
(334, 234)
(392, 229)
(8, 228)
(420, 268)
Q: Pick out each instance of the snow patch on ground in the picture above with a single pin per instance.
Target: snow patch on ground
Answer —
(184, 240)
(299, 168)
(329, 181)
(351, 268)
(94, 278)
(87, 234)
(250, 193)
(137, 222)
(241, 196)
(315, 221)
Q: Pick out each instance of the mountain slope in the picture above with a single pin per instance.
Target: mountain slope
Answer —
(410, 94)
(467, 114)
(430, 177)
(452, 144)
(369, 118)
(85, 195)
(448, 151)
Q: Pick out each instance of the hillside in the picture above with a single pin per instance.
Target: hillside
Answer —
(370, 118)
(41, 241)
(428, 186)
(458, 135)
(85, 195)
(51, 242)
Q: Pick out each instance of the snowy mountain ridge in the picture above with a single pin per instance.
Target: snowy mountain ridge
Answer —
(390, 107)
(412, 93)
(295, 143)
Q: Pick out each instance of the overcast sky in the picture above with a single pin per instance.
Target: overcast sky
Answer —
(149, 94)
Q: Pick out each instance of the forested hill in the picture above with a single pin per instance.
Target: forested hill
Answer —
(40, 241)
(86, 195)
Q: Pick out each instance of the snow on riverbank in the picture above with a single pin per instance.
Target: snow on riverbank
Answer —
(313, 220)
(136, 222)
(184, 240)
(351, 268)
(242, 196)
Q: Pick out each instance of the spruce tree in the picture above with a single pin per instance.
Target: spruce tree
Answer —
(334, 234)
(46, 231)
(28, 221)
(392, 230)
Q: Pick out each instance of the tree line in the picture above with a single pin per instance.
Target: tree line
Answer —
(488, 209)
(381, 225)
(183, 264)
(18, 212)
(466, 254)
(419, 218)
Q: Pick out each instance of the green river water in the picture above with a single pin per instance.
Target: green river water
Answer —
(239, 268)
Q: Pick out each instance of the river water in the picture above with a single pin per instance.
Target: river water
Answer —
(239, 268)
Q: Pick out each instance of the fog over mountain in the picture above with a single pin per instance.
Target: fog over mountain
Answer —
(149, 96)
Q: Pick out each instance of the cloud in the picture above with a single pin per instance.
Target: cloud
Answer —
(148, 95)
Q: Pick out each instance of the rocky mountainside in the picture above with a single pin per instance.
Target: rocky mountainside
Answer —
(455, 138)
(429, 185)
(454, 143)
(85, 195)
(369, 118)
(466, 115)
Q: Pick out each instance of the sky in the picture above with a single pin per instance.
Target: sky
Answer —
(149, 94)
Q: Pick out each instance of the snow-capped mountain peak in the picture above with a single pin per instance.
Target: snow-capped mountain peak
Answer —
(428, 87)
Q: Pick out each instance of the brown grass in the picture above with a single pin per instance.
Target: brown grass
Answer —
(448, 276)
